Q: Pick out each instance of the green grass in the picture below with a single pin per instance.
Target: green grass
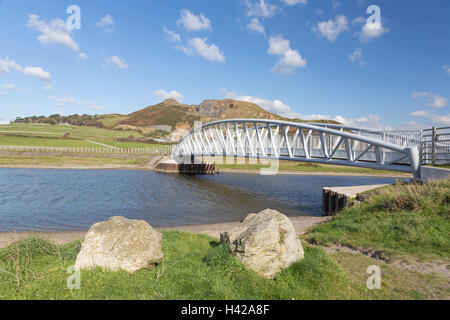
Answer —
(299, 167)
(196, 267)
(112, 121)
(36, 135)
(81, 132)
(45, 142)
(67, 161)
(400, 219)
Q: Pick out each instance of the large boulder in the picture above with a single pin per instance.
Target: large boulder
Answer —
(120, 243)
(265, 242)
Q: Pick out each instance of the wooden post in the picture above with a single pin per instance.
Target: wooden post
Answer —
(433, 146)
(325, 202)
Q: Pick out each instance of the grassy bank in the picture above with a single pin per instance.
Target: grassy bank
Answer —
(60, 161)
(293, 166)
(400, 219)
(45, 135)
(194, 267)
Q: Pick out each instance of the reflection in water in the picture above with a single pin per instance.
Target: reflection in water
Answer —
(37, 200)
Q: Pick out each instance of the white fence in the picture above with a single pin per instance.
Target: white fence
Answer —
(436, 146)
(162, 150)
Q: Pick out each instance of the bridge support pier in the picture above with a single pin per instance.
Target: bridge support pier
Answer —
(414, 156)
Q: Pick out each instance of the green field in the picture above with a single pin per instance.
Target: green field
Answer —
(59, 161)
(294, 166)
(41, 135)
(196, 267)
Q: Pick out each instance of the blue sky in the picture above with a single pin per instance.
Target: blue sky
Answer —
(299, 58)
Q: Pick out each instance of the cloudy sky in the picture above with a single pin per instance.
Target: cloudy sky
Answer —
(299, 58)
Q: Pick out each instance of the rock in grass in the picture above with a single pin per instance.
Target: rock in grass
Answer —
(265, 242)
(120, 243)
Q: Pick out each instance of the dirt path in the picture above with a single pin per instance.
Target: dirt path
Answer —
(101, 144)
(301, 225)
(427, 267)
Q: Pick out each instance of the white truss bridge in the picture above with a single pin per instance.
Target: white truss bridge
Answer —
(305, 142)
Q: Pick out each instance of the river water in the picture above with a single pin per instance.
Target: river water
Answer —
(53, 200)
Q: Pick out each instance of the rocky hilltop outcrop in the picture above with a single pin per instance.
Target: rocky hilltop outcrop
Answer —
(215, 108)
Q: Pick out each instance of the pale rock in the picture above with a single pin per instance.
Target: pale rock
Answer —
(120, 243)
(265, 242)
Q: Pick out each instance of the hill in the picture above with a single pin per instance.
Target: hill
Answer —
(168, 120)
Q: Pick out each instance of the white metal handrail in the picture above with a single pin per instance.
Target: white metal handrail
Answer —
(322, 143)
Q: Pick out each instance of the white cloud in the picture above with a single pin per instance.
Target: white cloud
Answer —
(3, 120)
(357, 56)
(48, 88)
(260, 9)
(434, 101)
(171, 36)
(37, 72)
(275, 106)
(9, 86)
(192, 22)
(370, 121)
(438, 102)
(420, 113)
(163, 95)
(116, 62)
(61, 102)
(446, 69)
(420, 94)
(2, 93)
(53, 32)
(290, 59)
(335, 4)
(440, 120)
(310, 117)
(7, 65)
(255, 25)
(210, 52)
(359, 20)
(279, 107)
(332, 28)
(435, 119)
(370, 31)
(294, 2)
(106, 23)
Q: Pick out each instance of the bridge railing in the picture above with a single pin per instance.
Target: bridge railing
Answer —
(305, 142)
(436, 146)
(399, 137)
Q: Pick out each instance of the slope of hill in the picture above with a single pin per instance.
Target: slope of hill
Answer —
(174, 114)
(168, 120)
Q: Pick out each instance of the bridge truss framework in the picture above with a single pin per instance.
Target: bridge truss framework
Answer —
(305, 142)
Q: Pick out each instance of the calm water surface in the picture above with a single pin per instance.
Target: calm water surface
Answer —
(51, 200)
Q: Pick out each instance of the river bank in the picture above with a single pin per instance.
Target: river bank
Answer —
(301, 225)
(244, 171)
(30, 160)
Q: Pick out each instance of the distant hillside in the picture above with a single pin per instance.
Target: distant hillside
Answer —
(168, 120)
(174, 114)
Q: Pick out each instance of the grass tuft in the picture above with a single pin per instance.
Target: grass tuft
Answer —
(404, 218)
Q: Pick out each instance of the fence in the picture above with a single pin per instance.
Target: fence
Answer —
(162, 150)
(436, 146)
